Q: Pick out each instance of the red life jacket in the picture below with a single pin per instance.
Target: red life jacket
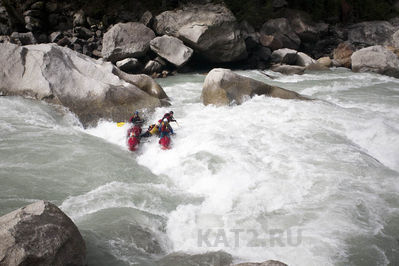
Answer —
(164, 127)
(137, 131)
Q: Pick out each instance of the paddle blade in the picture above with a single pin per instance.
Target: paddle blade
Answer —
(120, 124)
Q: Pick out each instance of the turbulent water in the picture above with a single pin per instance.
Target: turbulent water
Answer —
(306, 183)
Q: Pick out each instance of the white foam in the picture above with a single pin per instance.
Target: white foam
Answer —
(276, 164)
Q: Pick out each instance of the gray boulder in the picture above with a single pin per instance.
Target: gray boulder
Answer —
(371, 33)
(210, 29)
(40, 234)
(223, 87)
(90, 88)
(376, 59)
(126, 40)
(171, 49)
(282, 32)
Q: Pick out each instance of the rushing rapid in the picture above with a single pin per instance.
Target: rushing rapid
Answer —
(303, 182)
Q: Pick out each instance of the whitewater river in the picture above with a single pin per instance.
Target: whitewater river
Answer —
(303, 182)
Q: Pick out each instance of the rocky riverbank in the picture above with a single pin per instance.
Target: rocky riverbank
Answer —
(192, 36)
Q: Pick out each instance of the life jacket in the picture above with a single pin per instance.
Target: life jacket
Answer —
(134, 131)
(137, 131)
(164, 127)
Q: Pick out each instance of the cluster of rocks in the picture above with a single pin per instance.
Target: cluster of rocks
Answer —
(195, 34)
(41, 234)
(369, 47)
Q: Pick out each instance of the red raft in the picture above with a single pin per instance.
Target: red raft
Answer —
(165, 142)
(133, 137)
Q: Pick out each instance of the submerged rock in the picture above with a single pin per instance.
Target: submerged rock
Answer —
(90, 88)
(219, 258)
(211, 30)
(288, 69)
(265, 263)
(126, 40)
(223, 87)
(40, 234)
(376, 59)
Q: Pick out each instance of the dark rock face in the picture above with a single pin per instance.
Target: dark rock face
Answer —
(370, 33)
(211, 30)
(219, 258)
(40, 234)
(125, 40)
(89, 88)
(280, 31)
(223, 87)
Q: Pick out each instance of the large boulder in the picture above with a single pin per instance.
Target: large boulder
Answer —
(376, 59)
(223, 87)
(40, 234)
(279, 31)
(210, 29)
(171, 49)
(126, 40)
(371, 33)
(90, 88)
